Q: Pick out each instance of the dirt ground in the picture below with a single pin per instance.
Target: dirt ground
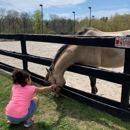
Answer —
(48, 50)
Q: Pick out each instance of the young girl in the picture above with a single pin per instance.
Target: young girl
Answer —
(22, 104)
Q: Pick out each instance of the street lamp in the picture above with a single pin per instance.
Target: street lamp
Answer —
(90, 17)
(107, 18)
(93, 21)
(41, 17)
(74, 21)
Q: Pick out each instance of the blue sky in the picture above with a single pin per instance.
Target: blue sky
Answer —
(64, 8)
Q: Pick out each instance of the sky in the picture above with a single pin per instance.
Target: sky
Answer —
(64, 8)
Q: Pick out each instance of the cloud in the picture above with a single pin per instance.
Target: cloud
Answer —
(30, 5)
(100, 14)
(117, 6)
(63, 2)
(112, 12)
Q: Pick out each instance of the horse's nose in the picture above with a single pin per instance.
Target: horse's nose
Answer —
(58, 94)
(53, 90)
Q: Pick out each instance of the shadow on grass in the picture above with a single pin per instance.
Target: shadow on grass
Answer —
(74, 110)
(35, 126)
(82, 112)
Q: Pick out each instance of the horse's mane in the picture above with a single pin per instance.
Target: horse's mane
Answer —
(61, 50)
(57, 56)
(84, 30)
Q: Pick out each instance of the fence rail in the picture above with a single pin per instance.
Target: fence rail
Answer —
(119, 109)
(75, 40)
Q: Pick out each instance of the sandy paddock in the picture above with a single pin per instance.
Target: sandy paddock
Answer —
(48, 50)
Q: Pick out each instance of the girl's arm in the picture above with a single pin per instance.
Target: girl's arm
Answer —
(43, 89)
(11, 95)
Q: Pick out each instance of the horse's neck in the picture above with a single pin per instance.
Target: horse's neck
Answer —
(62, 64)
(60, 67)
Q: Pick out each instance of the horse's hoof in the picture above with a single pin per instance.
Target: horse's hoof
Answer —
(94, 91)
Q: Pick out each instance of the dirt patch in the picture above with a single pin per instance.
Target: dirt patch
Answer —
(5, 40)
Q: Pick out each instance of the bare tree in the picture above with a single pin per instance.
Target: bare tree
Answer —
(2, 15)
(25, 20)
(58, 24)
(12, 17)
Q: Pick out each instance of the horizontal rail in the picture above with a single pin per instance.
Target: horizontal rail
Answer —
(30, 58)
(104, 74)
(67, 39)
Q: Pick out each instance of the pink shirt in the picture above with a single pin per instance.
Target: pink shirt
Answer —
(20, 102)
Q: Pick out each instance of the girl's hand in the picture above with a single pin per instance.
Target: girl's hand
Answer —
(53, 86)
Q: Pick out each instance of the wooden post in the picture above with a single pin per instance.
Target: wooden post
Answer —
(24, 52)
(126, 90)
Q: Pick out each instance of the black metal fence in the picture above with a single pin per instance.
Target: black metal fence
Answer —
(118, 109)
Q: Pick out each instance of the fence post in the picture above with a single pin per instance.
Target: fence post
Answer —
(126, 90)
(24, 52)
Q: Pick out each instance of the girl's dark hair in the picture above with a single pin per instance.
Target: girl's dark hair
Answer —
(19, 77)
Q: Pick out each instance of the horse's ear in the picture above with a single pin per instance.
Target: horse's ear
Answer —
(48, 71)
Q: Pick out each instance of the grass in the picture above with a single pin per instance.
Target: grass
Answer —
(59, 113)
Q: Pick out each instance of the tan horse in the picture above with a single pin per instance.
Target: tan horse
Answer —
(68, 55)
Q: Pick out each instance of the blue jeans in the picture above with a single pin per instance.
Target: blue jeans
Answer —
(30, 111)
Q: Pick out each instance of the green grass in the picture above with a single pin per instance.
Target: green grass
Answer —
(59, 113)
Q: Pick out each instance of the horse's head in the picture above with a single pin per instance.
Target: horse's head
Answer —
(51, 79)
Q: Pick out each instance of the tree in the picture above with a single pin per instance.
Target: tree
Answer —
(2, 15)
(25, 21)
(53, 22)
(37, 21)
(12, 17)
(58, 24)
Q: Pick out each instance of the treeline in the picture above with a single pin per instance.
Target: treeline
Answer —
(12, 21)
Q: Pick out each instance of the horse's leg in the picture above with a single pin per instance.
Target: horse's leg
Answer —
(94, 89)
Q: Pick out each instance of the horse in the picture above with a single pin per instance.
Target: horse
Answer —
(68, 55)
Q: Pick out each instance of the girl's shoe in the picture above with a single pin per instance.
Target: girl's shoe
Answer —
(28, 123)
(10, 122)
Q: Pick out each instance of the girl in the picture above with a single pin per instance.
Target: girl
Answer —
(22, 104)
